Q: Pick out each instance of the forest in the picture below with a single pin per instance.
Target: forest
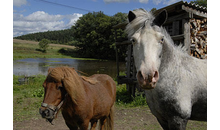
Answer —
(92, 35)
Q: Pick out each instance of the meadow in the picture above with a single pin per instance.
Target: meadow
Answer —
(132, 113)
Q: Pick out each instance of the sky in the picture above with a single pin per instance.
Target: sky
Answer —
(30, 16)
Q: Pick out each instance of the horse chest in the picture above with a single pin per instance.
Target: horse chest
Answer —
(166, 102)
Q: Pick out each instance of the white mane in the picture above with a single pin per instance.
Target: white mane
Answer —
(142, 16)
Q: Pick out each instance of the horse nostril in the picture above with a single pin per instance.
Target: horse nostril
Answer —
(140, 76)
(156, 76)
(44, 113)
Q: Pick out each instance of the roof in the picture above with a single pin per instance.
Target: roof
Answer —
(184, 5)
(181, 5)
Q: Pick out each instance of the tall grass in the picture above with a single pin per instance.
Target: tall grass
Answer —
(124, 99)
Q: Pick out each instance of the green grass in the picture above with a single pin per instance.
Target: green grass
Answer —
(25, 50)
(124, 99)
(28, 97)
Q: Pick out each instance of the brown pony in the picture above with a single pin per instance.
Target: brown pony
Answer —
(82, 99)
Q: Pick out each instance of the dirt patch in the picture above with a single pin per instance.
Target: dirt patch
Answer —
(125, 119)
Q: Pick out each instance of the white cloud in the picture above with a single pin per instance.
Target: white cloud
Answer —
(156, 2)
(169, 2)
(143, 1)
(19, 2)
(40, 21)
(113, 1)
(42, 16)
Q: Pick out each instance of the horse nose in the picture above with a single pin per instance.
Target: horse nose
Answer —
(44, 113)
(149, 79)
(153, 77)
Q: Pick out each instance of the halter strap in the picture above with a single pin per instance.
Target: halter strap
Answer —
(52, 107)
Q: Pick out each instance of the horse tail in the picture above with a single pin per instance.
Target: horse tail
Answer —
(109, 124)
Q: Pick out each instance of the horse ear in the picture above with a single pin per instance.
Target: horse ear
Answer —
(131, 16)
(161, 18)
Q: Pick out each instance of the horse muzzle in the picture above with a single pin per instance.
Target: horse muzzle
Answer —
(48, 111)
(147, 81)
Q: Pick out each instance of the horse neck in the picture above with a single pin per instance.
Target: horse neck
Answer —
(76, 90)
(171, 56)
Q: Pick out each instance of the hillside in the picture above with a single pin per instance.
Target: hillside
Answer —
(57, 37)
(92, 35)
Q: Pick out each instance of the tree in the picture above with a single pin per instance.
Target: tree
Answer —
(94, 35)
(44, 44)
(200, 2)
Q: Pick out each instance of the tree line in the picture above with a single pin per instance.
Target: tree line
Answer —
(92, 35)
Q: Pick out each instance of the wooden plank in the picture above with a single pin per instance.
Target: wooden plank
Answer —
(187, 40)
(178, 37)
(175, 28)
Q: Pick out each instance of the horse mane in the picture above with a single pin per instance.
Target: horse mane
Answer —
(71, 80)
(138, 23)
(89, 80)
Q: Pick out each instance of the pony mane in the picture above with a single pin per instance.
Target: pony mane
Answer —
(89, 80)
(71, 80)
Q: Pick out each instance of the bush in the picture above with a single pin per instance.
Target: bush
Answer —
(44, 44)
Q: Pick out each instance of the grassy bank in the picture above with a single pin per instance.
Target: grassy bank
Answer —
(27, 49)
(28, 97)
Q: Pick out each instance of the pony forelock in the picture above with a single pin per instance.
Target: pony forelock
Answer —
(142, 16)
(71, 80)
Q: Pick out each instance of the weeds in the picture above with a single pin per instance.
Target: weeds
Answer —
(123, 97)
(28, 97)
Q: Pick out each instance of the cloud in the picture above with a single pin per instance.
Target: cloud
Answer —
(156, 2)
(40, 21)
(169, 2)
(143, 1)
(125, 1)
(115, 1)
(19, 2)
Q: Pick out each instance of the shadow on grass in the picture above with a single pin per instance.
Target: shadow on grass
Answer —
(70, 52)
(40, 50)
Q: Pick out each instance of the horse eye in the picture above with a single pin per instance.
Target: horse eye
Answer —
(161, 40)
(59, 87)
(132, 40)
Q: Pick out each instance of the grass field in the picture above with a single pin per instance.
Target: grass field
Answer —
(130, 114)
(29, 49)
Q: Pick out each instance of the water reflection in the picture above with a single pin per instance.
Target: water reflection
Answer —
(36, 66)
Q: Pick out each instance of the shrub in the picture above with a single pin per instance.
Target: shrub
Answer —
(44, 44)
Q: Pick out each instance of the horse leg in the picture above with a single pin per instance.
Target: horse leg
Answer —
(93, 125)
(177, 123)
(84, 125)
(163, 124)
(72, 127)
(102, 123)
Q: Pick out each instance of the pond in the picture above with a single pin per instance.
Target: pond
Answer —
(35, 66)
